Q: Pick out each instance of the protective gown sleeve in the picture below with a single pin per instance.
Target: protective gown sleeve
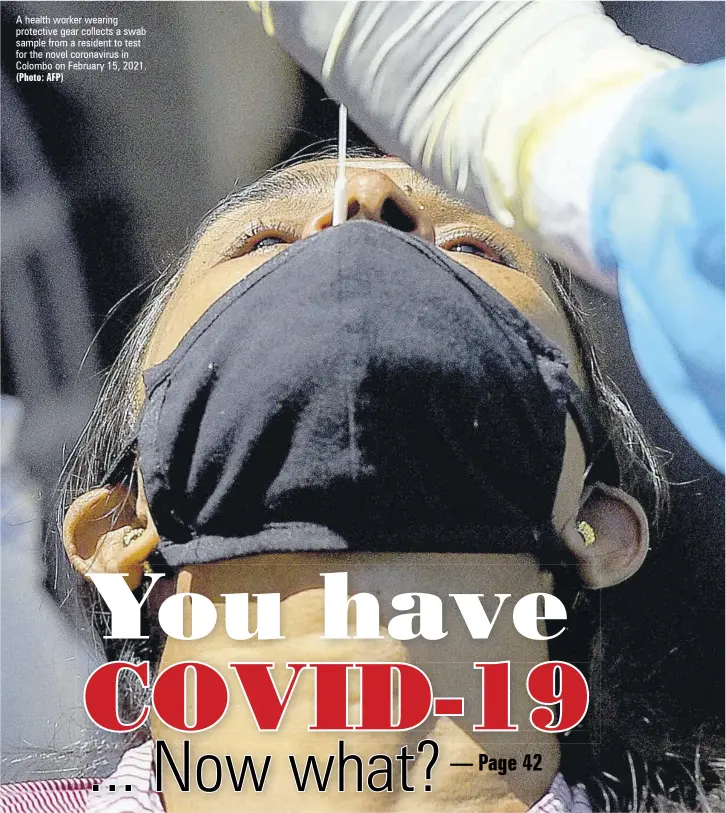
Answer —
(543, 115)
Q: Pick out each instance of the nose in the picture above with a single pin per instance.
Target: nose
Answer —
(373, 196)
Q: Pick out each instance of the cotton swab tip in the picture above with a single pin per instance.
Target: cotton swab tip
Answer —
(340, 200)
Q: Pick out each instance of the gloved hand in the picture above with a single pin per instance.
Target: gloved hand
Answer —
(658, 218)
(606, 154)
(506, 104)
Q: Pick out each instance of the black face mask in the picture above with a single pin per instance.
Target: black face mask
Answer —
(360, 391)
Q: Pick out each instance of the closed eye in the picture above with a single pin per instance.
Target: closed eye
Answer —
(259, 237)
(468, 244)
(265, 239)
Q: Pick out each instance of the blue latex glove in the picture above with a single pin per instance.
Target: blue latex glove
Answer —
(658, 218)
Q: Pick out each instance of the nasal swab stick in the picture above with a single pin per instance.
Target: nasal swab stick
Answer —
(340, 192)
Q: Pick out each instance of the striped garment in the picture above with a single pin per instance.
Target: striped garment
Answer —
(130, 790)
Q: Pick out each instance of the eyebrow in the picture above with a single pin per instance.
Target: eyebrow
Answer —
(273, 186)
(282, 183)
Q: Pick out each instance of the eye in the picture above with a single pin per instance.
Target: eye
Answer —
(477, 248)
(260, 237)
(266, 239)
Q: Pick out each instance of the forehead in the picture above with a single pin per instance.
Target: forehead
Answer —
(321, 174)
(315, 179)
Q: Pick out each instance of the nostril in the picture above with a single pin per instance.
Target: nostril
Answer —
(325, 221)
(394, 216)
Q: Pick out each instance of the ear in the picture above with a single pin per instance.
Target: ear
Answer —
(110, 530)
(621, 536)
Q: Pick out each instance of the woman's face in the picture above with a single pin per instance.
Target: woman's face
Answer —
(296, 203)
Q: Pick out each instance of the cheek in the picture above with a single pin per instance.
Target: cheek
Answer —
(530, 299)
(197, 291)
(522, 291)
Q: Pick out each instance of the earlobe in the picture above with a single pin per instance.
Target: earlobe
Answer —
(609, 538)
(109, 530)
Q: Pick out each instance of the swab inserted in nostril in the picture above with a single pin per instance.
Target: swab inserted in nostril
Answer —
(340, 191)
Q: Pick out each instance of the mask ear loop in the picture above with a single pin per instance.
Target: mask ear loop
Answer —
(602, 462)
(122, 468)
(122, 465)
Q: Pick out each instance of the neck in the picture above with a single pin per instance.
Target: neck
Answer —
(447, 662)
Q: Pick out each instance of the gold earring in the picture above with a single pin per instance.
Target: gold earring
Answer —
(129, 536)
(587, 532)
